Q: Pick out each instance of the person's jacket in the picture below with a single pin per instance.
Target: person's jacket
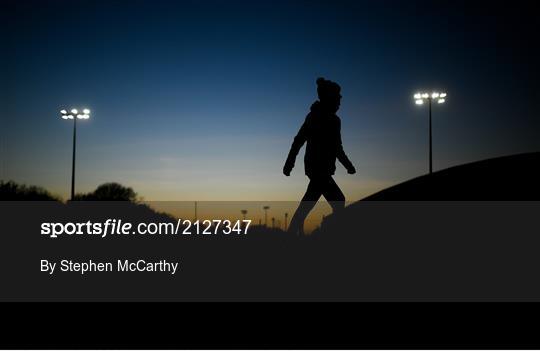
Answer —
(322, 133)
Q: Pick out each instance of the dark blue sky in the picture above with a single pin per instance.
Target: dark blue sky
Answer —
(201, 99)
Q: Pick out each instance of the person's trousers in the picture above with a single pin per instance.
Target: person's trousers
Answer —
(318, 185)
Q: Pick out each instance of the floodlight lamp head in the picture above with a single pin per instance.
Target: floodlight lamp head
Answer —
(75, 114)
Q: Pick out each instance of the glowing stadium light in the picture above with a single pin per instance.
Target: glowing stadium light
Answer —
(420, 99)
(74, 115)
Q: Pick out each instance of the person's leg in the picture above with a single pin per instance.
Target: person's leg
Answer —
(312, 195)
(333, 194)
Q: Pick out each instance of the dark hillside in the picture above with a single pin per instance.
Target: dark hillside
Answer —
(504, 178)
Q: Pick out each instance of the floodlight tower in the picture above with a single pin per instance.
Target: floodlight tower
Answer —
(266, 208)
(74, 114)
(420, 99)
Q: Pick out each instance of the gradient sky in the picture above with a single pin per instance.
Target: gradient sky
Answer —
(200, 100)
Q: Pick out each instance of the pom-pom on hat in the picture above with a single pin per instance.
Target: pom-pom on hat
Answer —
(326, 87)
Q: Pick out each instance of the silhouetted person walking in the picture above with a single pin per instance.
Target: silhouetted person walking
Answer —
(322, 133)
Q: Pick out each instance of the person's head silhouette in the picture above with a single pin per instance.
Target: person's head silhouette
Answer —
(329, 94)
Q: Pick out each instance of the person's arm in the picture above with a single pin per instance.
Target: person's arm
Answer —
(342, 157)
(297, 144)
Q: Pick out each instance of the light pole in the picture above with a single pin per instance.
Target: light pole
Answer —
(74, 114)
(420, 99)
(266, 208)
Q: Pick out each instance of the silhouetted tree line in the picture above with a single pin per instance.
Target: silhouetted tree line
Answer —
(109, 192)
(131, 207)
(11, 191)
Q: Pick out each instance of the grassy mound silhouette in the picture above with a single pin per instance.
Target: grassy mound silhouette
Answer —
(504, 178)
(508, 178)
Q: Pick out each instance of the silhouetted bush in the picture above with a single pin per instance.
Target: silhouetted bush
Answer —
(11, 191)
(109, 192)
